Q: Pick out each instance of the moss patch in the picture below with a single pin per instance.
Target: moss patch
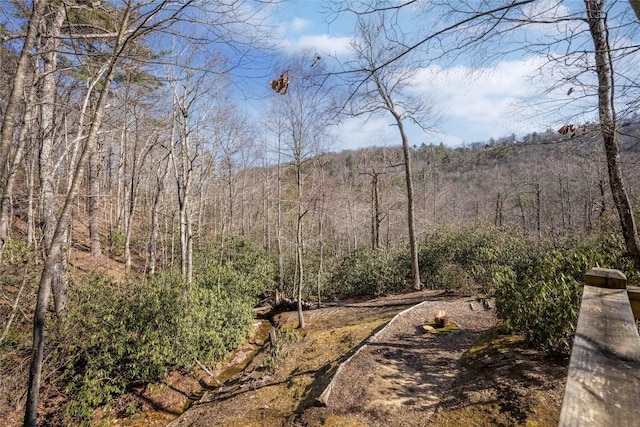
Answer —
(434, 328)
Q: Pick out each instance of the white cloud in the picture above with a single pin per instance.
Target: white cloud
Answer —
(357, 132)
(488, 101)
(321, 43)
(299, 24)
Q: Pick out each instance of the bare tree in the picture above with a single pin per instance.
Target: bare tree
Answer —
(194, 89)
(383, 90)
(11, 117)
(129, 30)
(305, 112)
(465, 26)
(598, 27)
(160, 176)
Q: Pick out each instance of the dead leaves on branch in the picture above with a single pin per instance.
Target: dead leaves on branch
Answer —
(281, 85)
(572, 130)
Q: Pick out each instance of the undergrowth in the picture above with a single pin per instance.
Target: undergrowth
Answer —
(117, 334)
(536, 283)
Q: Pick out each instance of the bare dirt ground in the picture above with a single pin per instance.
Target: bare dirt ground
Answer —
(403, 376)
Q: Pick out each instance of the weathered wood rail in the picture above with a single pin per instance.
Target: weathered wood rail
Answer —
(603, 383)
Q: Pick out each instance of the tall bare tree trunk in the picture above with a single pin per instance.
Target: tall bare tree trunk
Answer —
(280, 288)
(321, 242)
(55, 251)
(155, 225)
(299, 254)
(376, 219)
(93, 201)
(266, 209)
(413, 243)
(538, 212)
(498, 220)
(47, 163)
(11, 117)
(608, 126)
(31, 224)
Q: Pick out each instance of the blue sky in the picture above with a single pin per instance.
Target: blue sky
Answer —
(472, 109)
(477, 101)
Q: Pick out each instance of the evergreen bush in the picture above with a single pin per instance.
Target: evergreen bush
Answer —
(464, 259)
(542, 301)
(115, 334)
(369, 272)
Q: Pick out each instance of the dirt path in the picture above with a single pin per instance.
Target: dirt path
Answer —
(401, 377)
(402, 373)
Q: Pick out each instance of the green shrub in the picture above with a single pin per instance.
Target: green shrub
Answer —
(115, 334)
(536, 284)
(542, 301)
(465, 258)
(116, 241)
(368, 272)
(236, 266)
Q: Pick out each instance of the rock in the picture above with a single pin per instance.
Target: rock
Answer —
(429, 329)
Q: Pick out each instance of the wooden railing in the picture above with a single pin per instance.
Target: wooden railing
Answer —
(603, 383)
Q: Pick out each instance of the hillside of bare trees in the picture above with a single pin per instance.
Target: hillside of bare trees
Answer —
(152, 193)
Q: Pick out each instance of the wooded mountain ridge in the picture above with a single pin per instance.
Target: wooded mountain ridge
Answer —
(545, 183)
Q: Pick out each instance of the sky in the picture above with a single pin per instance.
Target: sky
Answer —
(475, 102)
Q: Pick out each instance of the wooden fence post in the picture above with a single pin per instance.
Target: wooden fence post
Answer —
(605, 278)
(604, 370)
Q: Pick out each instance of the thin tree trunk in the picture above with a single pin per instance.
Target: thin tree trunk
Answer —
(280, 288)
(155, 225)
(31, 167)
(189, 248)
(242, 202)
(301, 323)
(321, 243)
(498, 217)
(11, 113)
(352, 244)
(266, 208)
(413, 243)
(129, 220)
(93, 201)
(55, 251)
(538, 212)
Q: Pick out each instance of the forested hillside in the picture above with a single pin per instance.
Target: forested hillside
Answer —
(145, 210)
